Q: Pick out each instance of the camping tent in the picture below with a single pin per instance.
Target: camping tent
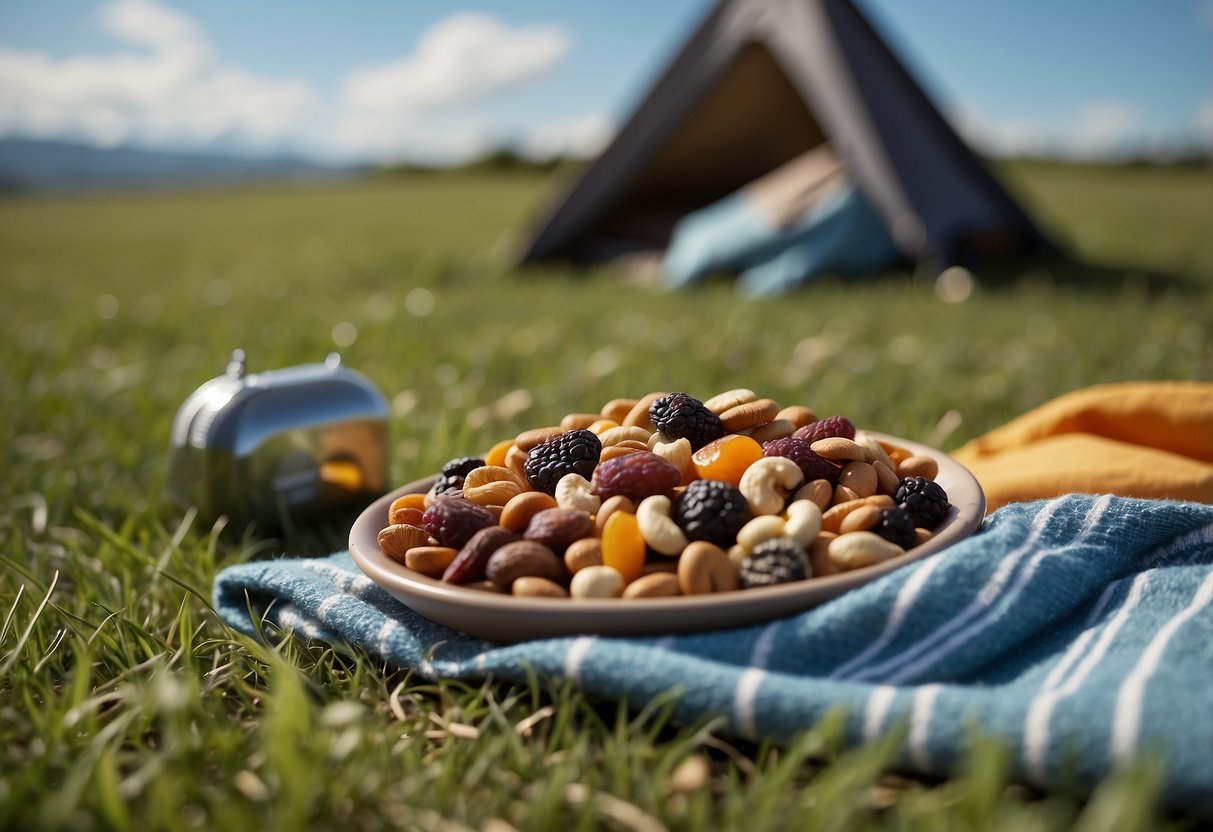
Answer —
(759, 84)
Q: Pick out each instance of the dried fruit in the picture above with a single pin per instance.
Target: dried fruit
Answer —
(470, 563)
(636, 476)
(776, 561)
(712, 510)
(453, 520)
(925, 500)
(896, 526)
(796, 448)
(446, 485)
(556, 528)
(572, 452)
(623, 547)
(825, 428)
(462, 466)
(726, 458)
(679, 415)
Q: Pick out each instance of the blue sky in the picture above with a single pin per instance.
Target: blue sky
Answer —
(376, 79)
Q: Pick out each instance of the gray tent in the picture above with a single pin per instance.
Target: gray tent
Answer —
(759, 84)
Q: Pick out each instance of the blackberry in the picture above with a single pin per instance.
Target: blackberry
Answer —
(453, 520)
(777, 561)
(572, 452)
(924, 499)
(447, 485)
(812, 465)
(680, 415)
(825, 428)
(712, 510)
(462, 466)
(896, 526)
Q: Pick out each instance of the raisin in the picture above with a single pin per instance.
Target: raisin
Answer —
(446, 485)
(572, 452)
(453, 520)
(814, 466)
(680, 415)
(712, 510)
(924, 500)
(896, 526)
(469, 564)
(825, 428)
(636, 476)
(462, 466)
(777, 561)
(556, 528)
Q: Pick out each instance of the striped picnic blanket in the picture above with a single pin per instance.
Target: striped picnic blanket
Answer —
(1078, 630)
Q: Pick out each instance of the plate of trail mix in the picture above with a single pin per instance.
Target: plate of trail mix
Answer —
(662, 514)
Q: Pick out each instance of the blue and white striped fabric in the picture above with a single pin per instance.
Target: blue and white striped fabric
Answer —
(1079, 631)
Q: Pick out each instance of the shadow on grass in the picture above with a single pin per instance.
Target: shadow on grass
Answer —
(1064, 271)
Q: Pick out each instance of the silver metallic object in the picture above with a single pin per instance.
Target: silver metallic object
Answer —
(282, 443)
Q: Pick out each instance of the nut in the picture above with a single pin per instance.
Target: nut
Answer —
(803, 522)
(492, 493)
(486, 474)
(597, 582)
(861, 519)
(886, 480)
(798, 415)
(819, 556)
(860, 477)
(918, 466)
(625, 432)
(839, 448)
(749, 415)
(677, 452)
(575, 491)
(876, 451)
(660, 533)
(601, 426)
(832, 517)
(430, 561)
(616, 451)
(703, 568)
(775, 429)
(406, 515)
(855, 549)
(578, 421)
(582, 553)
(532, 586)
(609, 506)
(759, 530)
(397, 539)
(617, 409)
(842, 494)
(653, 585)
(515, 460)
(516, 513)
(729, 399)
(523, 558)
(820, 492)
(530, 438)
(639, 414)
(767, 483)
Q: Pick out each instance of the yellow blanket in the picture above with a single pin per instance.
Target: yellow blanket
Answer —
(1135, 439)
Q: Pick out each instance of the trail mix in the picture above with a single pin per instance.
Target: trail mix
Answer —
(668, 495)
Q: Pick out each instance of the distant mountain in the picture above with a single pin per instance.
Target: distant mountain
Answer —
(34, 165)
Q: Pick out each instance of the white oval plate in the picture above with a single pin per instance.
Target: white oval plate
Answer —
(505, 618)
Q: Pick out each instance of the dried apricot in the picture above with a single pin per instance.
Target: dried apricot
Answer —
(623, 546)
(726, 458)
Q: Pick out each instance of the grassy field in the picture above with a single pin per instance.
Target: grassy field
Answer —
(125, 703)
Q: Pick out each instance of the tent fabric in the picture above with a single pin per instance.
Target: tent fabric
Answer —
(759, 83)
(842, 236)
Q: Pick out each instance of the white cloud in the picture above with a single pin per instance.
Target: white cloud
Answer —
(1099, 129)
(395, 108)
(169, 89)
(581, 137)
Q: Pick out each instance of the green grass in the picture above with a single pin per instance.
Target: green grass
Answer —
(125, 703)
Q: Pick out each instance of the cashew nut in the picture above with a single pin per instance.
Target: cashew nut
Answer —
(803, 523)
(759, 530)
(767, 483)
(575, 491)
(624, 432)
(658, 530)
(678, 452)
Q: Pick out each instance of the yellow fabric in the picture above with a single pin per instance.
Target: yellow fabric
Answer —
(1150, 439)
